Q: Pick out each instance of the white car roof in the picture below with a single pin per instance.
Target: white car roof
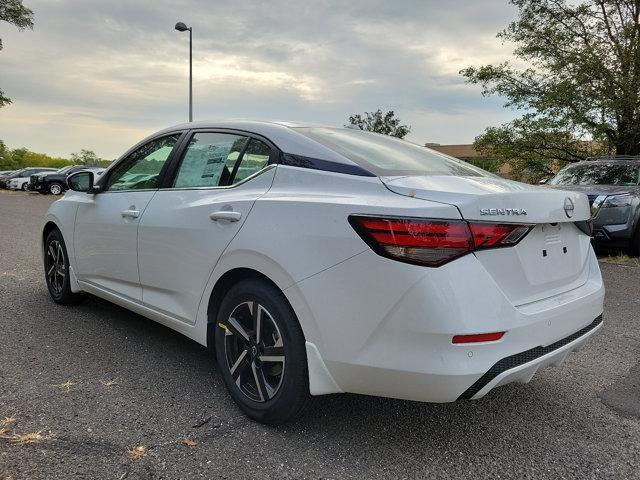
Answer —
(281, 133)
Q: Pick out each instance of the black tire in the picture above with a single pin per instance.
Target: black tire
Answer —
(280, 335)
(55, 188)
(25, 187)
(56, 270)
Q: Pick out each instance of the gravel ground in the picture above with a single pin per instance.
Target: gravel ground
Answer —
(98, 382)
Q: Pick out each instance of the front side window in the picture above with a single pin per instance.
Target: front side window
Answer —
(141, 169)
(210, 160)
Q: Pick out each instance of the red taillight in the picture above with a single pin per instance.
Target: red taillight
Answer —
(433, 242)
(477, 338)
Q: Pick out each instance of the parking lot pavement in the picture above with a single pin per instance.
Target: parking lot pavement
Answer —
(97, 381)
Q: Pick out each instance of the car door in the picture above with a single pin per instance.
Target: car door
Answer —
(188, 225)
(106, 229)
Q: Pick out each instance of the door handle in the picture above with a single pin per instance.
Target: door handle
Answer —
(131, 213)
(228, 215)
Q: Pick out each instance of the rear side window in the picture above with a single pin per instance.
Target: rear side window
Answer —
(385, 155)
(255, 158)
(209, 160)
(220, 159)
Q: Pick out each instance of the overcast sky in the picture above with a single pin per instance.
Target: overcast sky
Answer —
(102, 74)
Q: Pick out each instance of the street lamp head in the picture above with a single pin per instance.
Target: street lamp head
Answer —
(181, 27)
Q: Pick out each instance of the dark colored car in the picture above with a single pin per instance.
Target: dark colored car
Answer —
(55, 183)
(24, 172)
(613, 187)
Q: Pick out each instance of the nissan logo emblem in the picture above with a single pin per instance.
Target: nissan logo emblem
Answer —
(568, 207)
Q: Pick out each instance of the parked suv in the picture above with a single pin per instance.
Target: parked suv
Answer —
(55, 183)
(20, 178)
(613, 187)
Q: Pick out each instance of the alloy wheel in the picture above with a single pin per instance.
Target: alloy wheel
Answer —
(55, 267)
(254, 351)
(55, 189)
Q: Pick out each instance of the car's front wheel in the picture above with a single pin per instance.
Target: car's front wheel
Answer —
(260, 350)
(55, 188)
(56, 269)
(25, 187)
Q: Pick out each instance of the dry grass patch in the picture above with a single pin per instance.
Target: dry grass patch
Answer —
(66, 385)
(35, 437)
(7, 420)
(4, 423)
(621, 259)
(137, 452)
(109, 383)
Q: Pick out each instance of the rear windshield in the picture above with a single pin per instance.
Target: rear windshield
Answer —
(586, 173)
(385, 155)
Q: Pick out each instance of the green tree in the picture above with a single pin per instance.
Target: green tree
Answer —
(581, 83)
(385, 123)
(22, 157)
(4, 155)
(85, 157)
(13, 11)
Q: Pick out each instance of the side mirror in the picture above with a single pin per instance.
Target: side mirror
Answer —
(81, 182)
(543, 181)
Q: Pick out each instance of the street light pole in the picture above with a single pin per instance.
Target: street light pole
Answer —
(190, 74)
(181, 27)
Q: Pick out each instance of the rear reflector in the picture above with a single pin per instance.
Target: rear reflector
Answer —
(481, 337)
(433, 242)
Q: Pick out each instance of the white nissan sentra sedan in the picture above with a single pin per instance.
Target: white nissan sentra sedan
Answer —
(316, 260)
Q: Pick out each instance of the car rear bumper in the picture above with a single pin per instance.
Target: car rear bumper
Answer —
(521, 367)
(384, 328)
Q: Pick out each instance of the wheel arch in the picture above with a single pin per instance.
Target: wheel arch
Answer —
(64, 224)
(222, 286)
(321, 381)
(48, 227)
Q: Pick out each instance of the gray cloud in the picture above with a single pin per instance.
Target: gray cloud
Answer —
(100, 75)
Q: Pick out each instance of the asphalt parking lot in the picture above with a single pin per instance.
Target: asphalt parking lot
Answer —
(103, 386)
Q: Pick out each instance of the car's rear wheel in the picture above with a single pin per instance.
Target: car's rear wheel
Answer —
(55, 188)
(56, 270)
(260, 350)
(25, 186)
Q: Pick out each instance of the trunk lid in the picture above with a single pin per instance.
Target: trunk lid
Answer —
(550, 260)
(493, 199)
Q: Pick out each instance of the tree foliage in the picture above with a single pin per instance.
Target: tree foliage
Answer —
(580, 80)
(21, 157)
(85, 157)
(14, 12)
(385, 123)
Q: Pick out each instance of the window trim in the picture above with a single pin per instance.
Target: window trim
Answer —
(176, 161)
(104, 179)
